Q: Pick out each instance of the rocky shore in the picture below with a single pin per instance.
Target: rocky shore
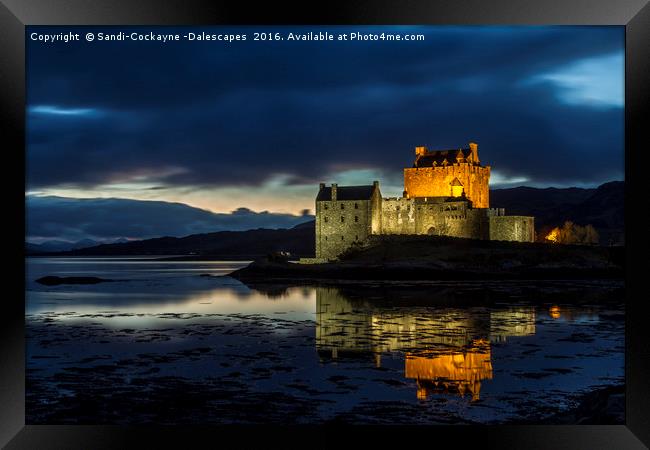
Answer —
(604, 406)
(51, 280)
(431, 259)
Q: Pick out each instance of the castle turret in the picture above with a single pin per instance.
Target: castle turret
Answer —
(456, 188)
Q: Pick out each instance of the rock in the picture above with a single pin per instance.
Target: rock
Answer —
(54, 281)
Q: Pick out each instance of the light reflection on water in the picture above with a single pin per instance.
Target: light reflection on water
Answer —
(445, 349)
(124, 268)
(463, 341)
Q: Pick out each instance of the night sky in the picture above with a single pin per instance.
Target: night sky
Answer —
(255, 126)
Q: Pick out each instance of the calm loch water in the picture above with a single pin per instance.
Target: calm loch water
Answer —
(165, 343)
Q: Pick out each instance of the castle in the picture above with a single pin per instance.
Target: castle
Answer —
(446, 193)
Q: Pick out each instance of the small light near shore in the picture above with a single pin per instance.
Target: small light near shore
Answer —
(553, 235)
(554, 312)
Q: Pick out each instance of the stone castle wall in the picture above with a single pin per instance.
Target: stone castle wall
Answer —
(454, 219)
(341, 223)
(375, 212)
(397, 216)
(421, 216)
(436, 182)
(409, 216)
(512, 228)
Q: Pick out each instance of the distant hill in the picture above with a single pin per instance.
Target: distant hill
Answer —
(62, 246)
(104, 219)
(299, 241)
(601, 207)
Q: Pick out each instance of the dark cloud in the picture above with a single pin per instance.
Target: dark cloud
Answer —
(74, 219)
(238, 114)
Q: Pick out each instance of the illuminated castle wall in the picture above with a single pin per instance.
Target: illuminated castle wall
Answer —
(446, 193)
(448, 173)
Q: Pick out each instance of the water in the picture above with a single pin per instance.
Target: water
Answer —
(167, 344)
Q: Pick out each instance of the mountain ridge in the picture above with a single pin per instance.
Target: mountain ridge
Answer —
(601, 207)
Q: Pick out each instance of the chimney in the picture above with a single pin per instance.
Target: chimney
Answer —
(474, 149)
(334, 185)
(375, 184)
(420, 151)
(321, 186)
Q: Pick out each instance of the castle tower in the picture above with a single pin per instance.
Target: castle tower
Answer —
(345, 215)
(456, 188)
(445, 173)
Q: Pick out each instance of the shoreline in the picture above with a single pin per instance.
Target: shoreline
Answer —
(413, 272)
(600, 406)
(408, 258)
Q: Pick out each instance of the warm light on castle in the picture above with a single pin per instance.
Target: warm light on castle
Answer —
(448, 173)
(446, 193)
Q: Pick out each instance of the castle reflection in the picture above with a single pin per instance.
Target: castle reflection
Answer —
(446, 349)
(453, 372)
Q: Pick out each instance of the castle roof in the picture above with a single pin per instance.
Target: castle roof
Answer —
(346, 193)
(438, 156)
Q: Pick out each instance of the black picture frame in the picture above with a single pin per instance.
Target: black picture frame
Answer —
(16, 14)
